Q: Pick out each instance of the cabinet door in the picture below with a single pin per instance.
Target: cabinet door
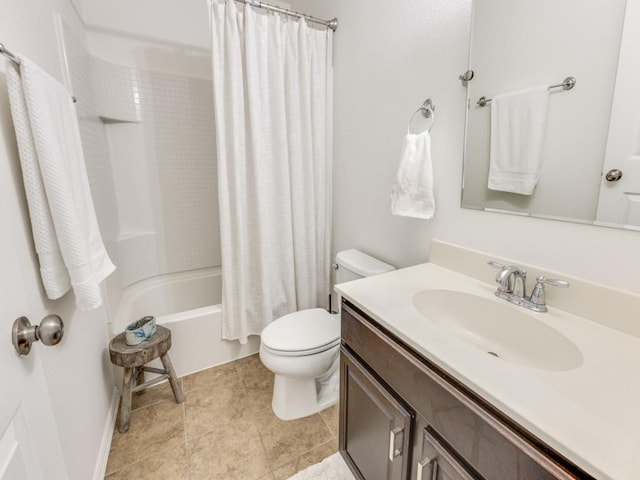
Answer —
(375, 428)
(437, 463)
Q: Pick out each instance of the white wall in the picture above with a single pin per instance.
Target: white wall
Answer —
(170, 36)
(389, 57)
(77, 371)
(183, 22)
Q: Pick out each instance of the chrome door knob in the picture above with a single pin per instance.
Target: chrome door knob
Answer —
(50, 332)
(613, 175)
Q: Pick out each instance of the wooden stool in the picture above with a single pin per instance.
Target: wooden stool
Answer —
(133, 358)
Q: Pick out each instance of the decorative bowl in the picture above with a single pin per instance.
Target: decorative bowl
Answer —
(140, 330)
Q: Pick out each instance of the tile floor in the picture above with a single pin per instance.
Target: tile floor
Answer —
(225, 430)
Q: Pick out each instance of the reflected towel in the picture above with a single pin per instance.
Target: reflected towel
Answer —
(412, 192)
(63, 220)
(518, 124)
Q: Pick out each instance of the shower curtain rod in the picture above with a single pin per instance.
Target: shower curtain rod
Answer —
(332, 24)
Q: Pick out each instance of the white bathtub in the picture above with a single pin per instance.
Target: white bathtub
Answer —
(187, 303)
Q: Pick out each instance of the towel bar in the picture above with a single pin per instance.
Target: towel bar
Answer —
(16, 60)
(567, 84)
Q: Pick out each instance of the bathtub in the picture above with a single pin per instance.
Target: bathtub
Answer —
(189, 304)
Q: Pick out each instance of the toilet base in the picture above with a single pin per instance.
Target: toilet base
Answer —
(300, 397)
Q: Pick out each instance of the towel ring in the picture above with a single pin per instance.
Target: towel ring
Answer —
(428, 111)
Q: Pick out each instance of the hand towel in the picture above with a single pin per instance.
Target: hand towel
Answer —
(412, 192)
(518, 124)
(63, 221)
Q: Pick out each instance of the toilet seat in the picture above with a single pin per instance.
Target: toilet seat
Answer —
(302, 333)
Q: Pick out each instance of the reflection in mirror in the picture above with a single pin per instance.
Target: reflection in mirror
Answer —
(518, 45)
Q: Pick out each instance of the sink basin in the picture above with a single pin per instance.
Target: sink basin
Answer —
(499, 329)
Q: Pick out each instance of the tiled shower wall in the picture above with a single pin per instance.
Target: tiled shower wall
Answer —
(165, 122)
(177, 113)
(149, 143)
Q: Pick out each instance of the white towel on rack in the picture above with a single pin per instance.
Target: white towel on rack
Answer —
(63, 220)
(518, 124)
(412, 192)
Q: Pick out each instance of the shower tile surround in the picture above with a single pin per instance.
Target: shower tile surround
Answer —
(225, 429)
(171, 117)
(170, 179)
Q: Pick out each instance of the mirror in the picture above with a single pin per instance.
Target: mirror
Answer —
(521, 44)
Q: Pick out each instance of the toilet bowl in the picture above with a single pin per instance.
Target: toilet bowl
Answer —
(302, 348)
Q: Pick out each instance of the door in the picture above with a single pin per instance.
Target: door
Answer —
(29, 445)
(437, 462)
(619, 202)
(375, 428)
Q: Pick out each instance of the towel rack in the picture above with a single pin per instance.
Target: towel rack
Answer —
(567, 84)
(428, 111)
(7, 53)
(16, 60)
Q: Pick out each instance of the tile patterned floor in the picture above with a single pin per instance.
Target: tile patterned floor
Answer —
(225, 430)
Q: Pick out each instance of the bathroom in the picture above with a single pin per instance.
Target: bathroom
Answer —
(387, 59)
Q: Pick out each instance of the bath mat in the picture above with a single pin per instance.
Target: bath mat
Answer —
(331, 468)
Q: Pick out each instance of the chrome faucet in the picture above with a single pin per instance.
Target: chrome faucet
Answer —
(511, 282)
(512, 287)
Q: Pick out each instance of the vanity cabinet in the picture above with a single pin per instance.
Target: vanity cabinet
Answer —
(402, 418)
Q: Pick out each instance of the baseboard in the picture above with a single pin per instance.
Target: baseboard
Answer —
(107, 435)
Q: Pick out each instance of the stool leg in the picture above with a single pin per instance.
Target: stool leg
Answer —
(140, 380)
(173, 381)
(125, 402)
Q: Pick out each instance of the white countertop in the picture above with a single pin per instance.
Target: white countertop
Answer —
(590, 414)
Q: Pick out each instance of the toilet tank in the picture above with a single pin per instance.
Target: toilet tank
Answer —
(353, 264)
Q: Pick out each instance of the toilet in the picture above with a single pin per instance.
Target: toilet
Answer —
(302, 348)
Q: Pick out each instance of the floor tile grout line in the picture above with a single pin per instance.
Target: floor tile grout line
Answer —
(132, 426)
(137, 461)
(328, 426)
(264, 447)
(212, 384)
(253, 415)
(303, 454)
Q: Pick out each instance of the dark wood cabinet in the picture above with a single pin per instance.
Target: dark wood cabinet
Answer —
(377, 430)
(402, 417)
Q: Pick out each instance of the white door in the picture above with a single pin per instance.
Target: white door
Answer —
(29, 444)
(619, 202)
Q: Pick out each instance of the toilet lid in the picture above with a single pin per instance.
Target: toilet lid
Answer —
(302, 331)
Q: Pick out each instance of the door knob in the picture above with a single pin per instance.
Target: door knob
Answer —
(23, 334)
(613, 175)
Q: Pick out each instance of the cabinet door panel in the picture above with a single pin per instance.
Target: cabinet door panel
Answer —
(437, 463)
(376, 428)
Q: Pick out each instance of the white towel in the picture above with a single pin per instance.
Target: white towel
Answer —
(518, 124)
(412, 192)
(63, 220)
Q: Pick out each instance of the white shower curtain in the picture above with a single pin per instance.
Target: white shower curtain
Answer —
(272, 80)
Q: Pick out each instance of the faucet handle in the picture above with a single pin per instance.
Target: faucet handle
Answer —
(494, 264)
(538, 300)
(552, 281)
